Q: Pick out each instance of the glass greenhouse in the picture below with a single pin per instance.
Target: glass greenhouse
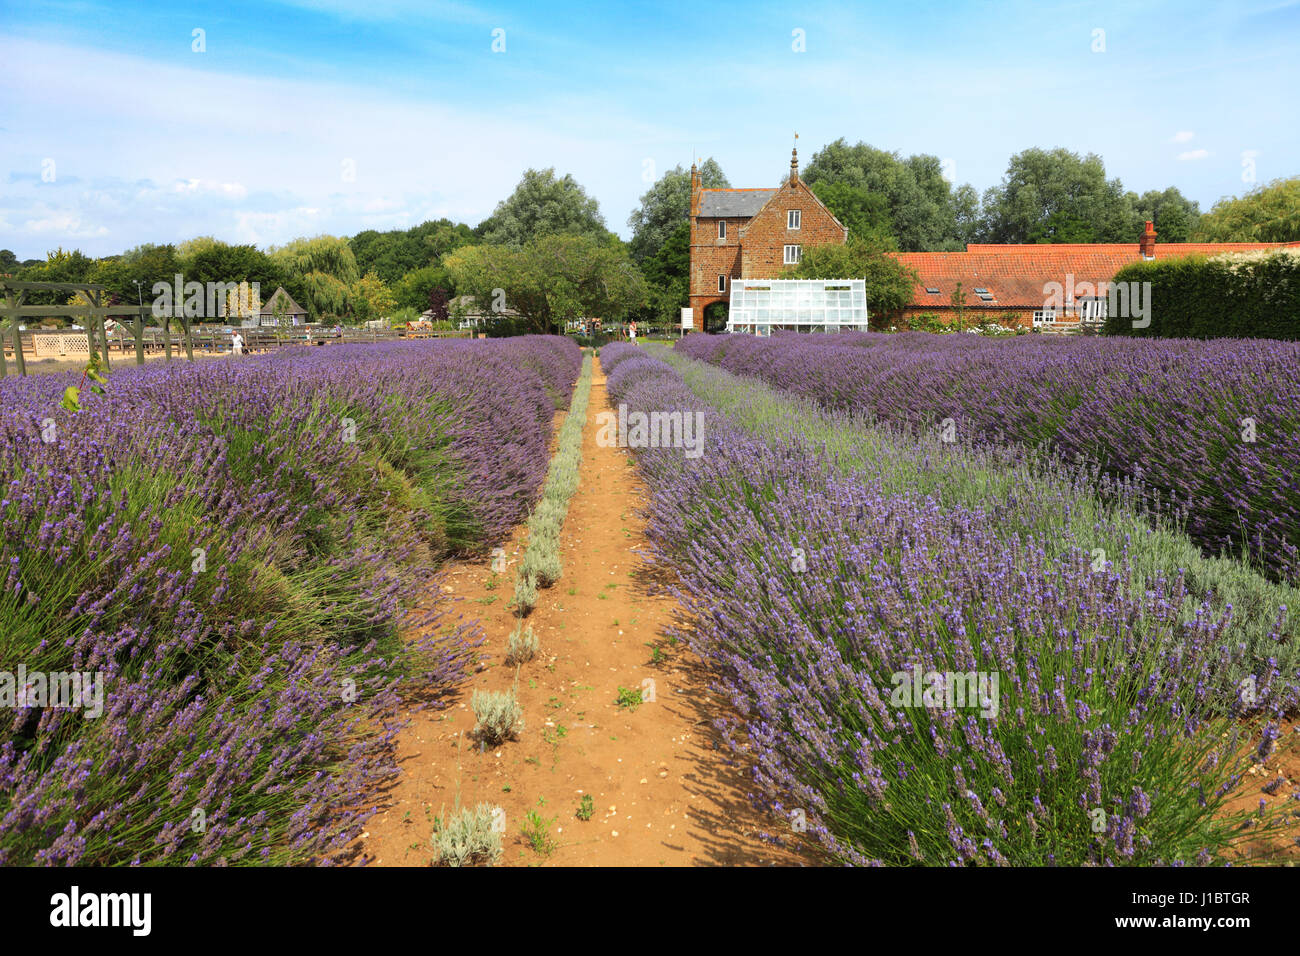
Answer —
(798, 305)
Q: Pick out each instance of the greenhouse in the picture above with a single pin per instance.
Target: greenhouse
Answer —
(758, 306)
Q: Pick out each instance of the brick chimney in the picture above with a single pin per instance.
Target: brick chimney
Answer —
(794, 166)
(1147, 243)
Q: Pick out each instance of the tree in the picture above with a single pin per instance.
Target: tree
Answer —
(666, 205)
(1174, 215)
(544, 204)
(1057, 196)
(413, 289)
(889, 283)
(371, 298)
(918, 200)
(439, 306)
(1268, 213)
(60, 265)
(551, 280)
(331, 255)
(667, 276)
(865, 213)
(393, 254)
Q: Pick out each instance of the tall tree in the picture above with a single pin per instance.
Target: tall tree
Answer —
(922, 214)
(666, 205)
(544, 204)
(866, 213)
(1268, 213)
(550, 280)
(1057, 196)
(1174, 215)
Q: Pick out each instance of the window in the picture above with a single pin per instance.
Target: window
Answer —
(1092, 310)
(722, 229)
(791, 255)
(1044, 316)
(793, 218)
(932, 290)
(722, 283)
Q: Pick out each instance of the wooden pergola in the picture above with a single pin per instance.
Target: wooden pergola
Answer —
(15, 311)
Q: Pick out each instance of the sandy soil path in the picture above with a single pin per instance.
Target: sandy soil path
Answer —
(665, 790)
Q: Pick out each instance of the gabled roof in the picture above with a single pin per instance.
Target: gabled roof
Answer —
(733, 203)
(802, 185)
(1015, 274)
(288, 306)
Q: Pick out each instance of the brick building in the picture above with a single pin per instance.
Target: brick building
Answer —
(752, 234)
(1014, 284)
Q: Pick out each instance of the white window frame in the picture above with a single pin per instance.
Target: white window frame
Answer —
(1092, 309)
(792, 255)
(794, 218)
(1044, 316)
(722, 283)
(722, 229)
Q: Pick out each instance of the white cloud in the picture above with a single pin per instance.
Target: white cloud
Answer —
(1183, 136)
(1193, 154)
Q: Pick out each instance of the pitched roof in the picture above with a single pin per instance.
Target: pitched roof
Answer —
(289, 306)
(733, 203)
(1015, 274)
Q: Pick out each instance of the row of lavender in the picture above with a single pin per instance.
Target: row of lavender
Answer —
(226, 550)
(839, 617)
(1214, 425)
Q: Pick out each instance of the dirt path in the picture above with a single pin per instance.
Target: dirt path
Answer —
(665, 791)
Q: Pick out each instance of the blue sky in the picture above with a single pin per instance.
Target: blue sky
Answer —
(305, 117)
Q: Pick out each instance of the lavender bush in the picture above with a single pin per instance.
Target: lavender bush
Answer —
(1214, 424)
(817, 596)
(232, 547)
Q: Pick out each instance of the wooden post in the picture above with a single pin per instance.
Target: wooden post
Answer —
(139, 338)
(167, 336)
(19, 360)
(98, 326)
(9, 301)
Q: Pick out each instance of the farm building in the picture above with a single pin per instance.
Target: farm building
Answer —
(751, 234)
(1052, 287)
(293, 313)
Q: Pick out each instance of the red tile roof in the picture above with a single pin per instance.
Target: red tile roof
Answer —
(1015, 274)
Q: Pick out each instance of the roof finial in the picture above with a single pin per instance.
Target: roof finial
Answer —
(794, 160)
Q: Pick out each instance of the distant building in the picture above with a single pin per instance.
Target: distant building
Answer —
(752, 234)
(293, 313)
(1016, 283)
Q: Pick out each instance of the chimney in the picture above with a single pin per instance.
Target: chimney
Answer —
(695, 191)
(794, 166)
(1147, 244)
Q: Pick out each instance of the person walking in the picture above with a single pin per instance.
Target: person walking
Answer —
(236, 343)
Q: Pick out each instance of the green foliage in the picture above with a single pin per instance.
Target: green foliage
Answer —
(667, 275)
(586, 807)
(537, 831)
(1247, 295)
(921, 207)
(551, 279)
(544, 204)
(1268, 213)
(628, 697)
(393, 254)
(467, 837)
(413, 289)
(1174, 215)
(1057, 196)
(865, 213)
(888, 282)
(666, 206)
(331, 255)
(60, 265)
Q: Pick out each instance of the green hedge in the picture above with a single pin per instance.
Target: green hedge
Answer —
(1238, 295)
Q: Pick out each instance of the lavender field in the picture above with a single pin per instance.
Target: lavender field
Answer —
(832, 548)
(234, 547)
